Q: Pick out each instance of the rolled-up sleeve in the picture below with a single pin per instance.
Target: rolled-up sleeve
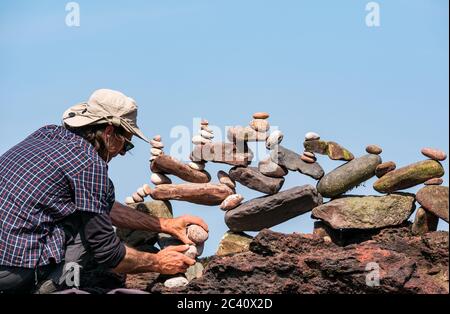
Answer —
(103, 242)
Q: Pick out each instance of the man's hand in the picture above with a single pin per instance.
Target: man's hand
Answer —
(172, 261)
(177, 226)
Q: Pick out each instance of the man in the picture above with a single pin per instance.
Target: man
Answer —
(57, 202)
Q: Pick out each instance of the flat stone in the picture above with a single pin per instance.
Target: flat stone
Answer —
(384, 168)
(269, 211)
(409, 176)
(204, 122)
(137, 198)
(226, 153)
(234, 243)
(310, 155)
(156, 151)
(316, 146)
(374, 149)
(311, 136)
(197, 193)
(157, 138)
(261, 115)
(424, 222)
(169, 165)
(141, 192)
(348, 176)
(260, 125)
(274, 139)
(194, 272)
(292, 161)
(231, 202)
(434, 181)
(191, 252)
(200, 140)
(434, 198)
(433, 153)
(197, 234)
(366, 212)
(245, 134)
(268, 168)
(224, 178)
(255, 180)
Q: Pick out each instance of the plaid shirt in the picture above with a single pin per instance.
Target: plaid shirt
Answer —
(51, 174)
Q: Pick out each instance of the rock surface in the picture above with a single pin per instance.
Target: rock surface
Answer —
(252, 178)
(424, 222)
(245, 134)
(226, 153)
(168, 164)
(268, 211)
(348, 176)
(233, 243)
(268, 168)
(304, 264)
(366, 212)
(409, 176)
(291, 160)
(203, 194)
(384, 168)
(434, 198)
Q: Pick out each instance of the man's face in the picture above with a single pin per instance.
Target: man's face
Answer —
(117, 143)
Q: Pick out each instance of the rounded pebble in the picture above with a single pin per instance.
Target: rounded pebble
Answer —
(374, 149)
(225, 178)
(176, 282)
(141, 192)
(147, 189)
(433, 153)
(307, 159)
(159, 178)
(137, 198)
(191, 252)
(310, 155)
(156, 144)
(231, 202)
(197, 234)
(261, 115)
(157, 138)
(156, 151)
(310, 136)
(206, 134)
(260, 125)
(199, 140)
(129, 200)
(434, 181)
(197, 165)
(274, 139)
(204, 122)
(384, 168)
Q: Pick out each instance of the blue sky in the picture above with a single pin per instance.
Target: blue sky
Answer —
(313, 65)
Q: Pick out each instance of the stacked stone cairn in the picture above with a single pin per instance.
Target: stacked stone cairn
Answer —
(341, 219)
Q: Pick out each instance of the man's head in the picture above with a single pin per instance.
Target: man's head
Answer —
(107, 120)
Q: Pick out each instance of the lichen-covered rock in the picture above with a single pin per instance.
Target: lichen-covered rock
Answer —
(348, 176)
(233, 243)
(366, 212)
(268, 211)
(332, 149)
(409, 176)
(434, 198)
(384, 168)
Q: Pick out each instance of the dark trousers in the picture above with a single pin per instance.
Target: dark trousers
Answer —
(50, 278)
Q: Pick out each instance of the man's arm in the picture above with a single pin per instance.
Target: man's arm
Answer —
(168, 261)
(126, 217)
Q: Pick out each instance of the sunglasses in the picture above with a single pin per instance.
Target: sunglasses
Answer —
(127, 145)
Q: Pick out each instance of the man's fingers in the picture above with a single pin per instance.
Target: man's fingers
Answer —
(177, 248)
(198, 221)
(185, 239)
(188, 260)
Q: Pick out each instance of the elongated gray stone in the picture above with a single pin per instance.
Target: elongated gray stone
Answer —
(349, 175)
(252, 178)
(291, 160)
(268, 211)
(366, 212)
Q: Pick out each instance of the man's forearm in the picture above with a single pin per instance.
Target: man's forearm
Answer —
(137, 262)
(123, 216)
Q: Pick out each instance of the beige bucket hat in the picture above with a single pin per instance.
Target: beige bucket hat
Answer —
(105, 106)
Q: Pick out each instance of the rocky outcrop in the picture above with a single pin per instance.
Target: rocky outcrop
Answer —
(392, 261)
